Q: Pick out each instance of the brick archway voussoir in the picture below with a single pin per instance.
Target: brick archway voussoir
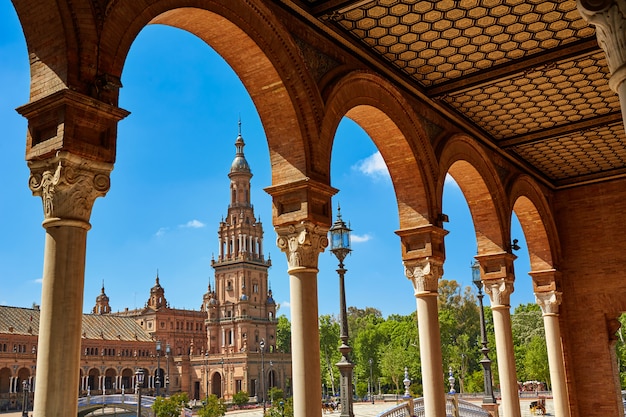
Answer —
(256, 46)
(535, 216)
(383, 113)
(474, 173)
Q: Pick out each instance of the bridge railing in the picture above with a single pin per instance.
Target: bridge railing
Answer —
(114, 399)
(465, 409)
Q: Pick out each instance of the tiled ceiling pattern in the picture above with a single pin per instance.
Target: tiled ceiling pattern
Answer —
(567, 91)
(586, 153)
(527, 73)
(436, 41)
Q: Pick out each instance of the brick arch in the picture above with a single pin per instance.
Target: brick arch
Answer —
(534, 214)
(477, 177)
(253, 42)
(5, 380)
(386, 116)
(48, 38)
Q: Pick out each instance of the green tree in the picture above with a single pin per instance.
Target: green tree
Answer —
(526, 325)
(329, 355)
(536, 360)
(170, 406)
(392, 363)
(282, 408)
(283, 334)
(214, 407)
(275, 394)
(620, 350)
(240, 398)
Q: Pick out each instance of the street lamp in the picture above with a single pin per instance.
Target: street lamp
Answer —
(139, 376)
(340, 247)
(488, 397)
(262, 345)
(271, 383)
(223, 377)
(206, 375)
(158, 374)
(25, 398)
(371, 382)
(168, 351)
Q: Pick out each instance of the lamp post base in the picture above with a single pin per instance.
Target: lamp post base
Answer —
(492, 409)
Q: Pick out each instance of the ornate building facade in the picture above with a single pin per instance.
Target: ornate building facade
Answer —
(222, 348)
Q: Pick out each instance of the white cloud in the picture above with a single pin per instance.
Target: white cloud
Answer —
(161, 231)
(39, 281)
(449, 181)
(373, 166)
(194, 224)
(285, 305)
(360, 238)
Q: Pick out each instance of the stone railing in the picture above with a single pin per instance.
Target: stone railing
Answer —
(465, 409)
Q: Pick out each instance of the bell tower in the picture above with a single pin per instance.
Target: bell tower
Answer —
(157, 296)
(102, 303)
(241, 311)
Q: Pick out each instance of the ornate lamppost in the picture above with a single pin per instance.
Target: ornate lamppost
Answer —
(271, 383)
(223, 377)
(158, 371)
(407, 383)
(206, 375)
(262, 346)
(340, 247)
(139, 376)
(488, 397)
(168, 351)
(25, 398)
(371, 388)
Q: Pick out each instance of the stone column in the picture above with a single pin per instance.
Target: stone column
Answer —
(425, 274)
(302, 243)
(609, 19)
(549, 302)
(423, 254)
(68, 186)
(497, 276)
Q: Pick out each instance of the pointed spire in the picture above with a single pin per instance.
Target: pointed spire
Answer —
(239, 163)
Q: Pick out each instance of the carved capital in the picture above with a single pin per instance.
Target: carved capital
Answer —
(499, 291)
(609, 19)
(68, 186)
(549, 302)
(302, 243)
(424, 274)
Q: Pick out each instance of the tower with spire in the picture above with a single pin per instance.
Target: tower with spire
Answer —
(102, 303)
(241, 311)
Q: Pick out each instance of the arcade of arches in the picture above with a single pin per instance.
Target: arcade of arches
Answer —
(520, 101)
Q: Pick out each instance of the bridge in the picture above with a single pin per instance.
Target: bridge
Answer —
(126, 402)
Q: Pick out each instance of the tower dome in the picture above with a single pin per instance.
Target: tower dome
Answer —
(239, 165)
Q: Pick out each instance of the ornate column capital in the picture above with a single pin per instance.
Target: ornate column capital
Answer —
(499, 292)
(68, 186)
(424, 274)
(609, 19)
(302, 243)
(549, 301)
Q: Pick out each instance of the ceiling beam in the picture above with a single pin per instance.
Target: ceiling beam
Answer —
(329, 7)
(561, 130)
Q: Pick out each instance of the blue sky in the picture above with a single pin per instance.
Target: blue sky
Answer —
(169, 190)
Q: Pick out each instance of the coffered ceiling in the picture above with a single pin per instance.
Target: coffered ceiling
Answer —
(527, 75)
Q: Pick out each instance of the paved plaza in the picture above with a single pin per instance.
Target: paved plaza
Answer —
(360, 410)
(373, 410)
